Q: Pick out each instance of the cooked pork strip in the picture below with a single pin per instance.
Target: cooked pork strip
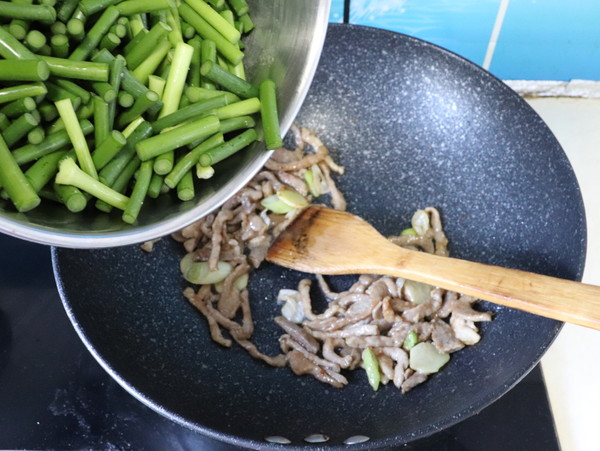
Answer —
(375, 312)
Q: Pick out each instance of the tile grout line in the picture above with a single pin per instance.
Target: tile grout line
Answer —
(495, 33)
(587, 89)
(346, 11)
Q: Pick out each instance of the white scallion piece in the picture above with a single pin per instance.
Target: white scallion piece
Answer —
(417, 292)
(292, 198)
(292, 308)
(420, 222)
(200, 273)
(241, 282)
(276, 205)
(425, 358)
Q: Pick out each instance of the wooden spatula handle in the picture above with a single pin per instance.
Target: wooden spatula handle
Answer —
(325, 241)
(559, 299)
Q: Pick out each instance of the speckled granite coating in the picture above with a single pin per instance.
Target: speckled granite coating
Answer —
(415, 126)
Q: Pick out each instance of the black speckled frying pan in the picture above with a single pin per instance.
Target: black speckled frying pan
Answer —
(414, 125)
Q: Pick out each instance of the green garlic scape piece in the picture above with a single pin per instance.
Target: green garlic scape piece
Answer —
(371, 366)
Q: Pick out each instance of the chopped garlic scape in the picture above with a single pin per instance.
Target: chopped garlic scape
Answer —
(425, 358)
(275, 204)
(410, 341)
(371, 366)
(199, 272)
(292, 198)
(417, 292)
(420, 222)
(204, 172)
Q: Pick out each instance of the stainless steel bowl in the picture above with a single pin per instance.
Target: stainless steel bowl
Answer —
(285, 46)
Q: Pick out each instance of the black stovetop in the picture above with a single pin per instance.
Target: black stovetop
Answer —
(54, 395)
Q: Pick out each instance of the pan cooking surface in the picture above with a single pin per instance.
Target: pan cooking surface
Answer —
(414, 126)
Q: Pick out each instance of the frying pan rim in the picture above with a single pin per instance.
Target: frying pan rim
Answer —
(423, 432)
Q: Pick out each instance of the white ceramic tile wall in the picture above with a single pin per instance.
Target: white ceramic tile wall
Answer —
(571, 366)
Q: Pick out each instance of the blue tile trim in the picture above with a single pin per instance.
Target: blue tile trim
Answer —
(539, 39)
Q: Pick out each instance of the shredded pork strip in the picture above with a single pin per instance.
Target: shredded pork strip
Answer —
(377, 312)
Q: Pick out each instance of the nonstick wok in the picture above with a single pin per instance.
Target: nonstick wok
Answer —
(415, 126)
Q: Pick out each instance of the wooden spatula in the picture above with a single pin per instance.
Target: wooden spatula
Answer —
(326, 241)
